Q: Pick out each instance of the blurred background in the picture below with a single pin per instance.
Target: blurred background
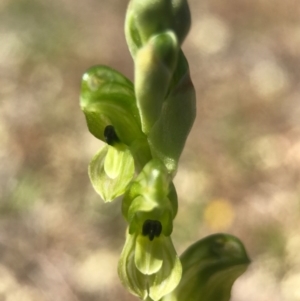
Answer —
(239, 173)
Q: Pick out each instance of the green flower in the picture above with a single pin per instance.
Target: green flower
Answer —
(149, 266)
(111, 170)
(151, 196)
(210, 267)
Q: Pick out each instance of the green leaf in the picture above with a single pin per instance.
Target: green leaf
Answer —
(210, 267)
(110, 171)
(107, 98)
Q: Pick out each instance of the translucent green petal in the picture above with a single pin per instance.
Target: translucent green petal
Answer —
(107, 98)
(148, 255)
(168, 277)
(110, 175)
(118, 161)
(210, 267)
(134, 281)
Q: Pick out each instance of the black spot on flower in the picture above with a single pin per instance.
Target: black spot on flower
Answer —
(110, 135)
(152, 228)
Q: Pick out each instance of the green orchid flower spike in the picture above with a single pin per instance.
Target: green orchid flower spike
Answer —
(145, 127)
(210, 267)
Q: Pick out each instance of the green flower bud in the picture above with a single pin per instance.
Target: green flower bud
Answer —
(149, 268)
(151, 196)
(154, 66)
(146, 18)
(111, 170)
(168, 135)
(107, 98)
(210, 267)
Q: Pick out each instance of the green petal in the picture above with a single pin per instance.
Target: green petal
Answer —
(118, 160)
(210, 267)
(148, 255)
(168, 277)
(107, 98)
(111, 171)
(134, 281)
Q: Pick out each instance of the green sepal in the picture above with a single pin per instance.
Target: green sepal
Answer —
(159, 283)
(154, 66)
(111, 170)
(107, 98)
(168, 135)
(146, 18)
(210, 267)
